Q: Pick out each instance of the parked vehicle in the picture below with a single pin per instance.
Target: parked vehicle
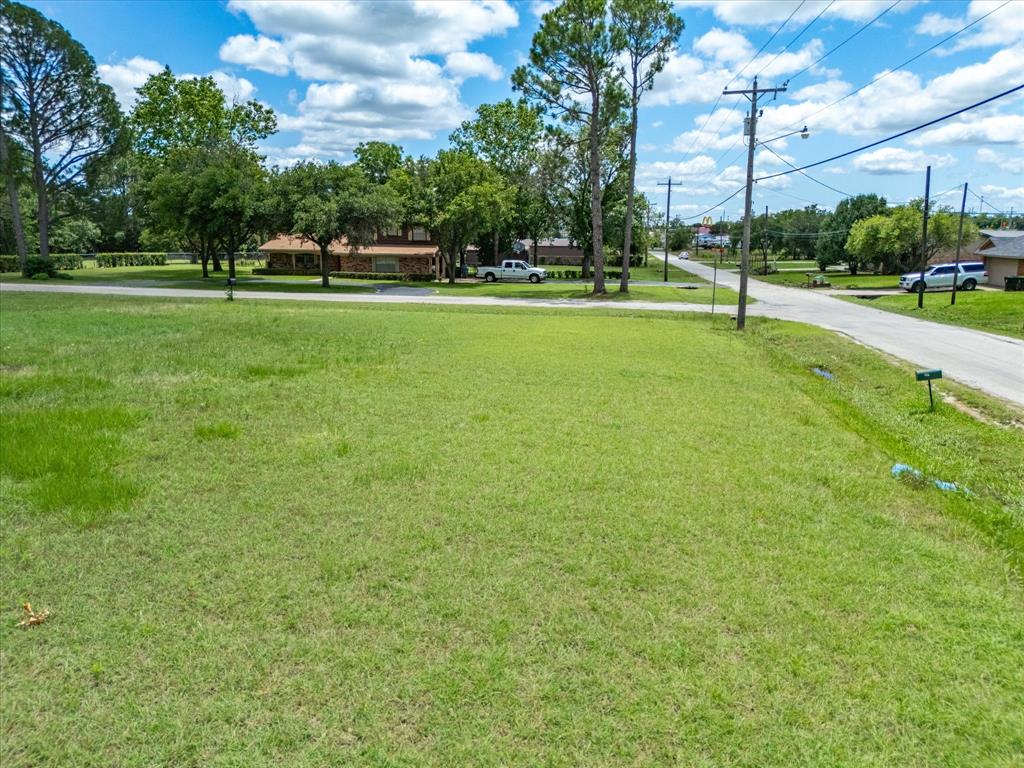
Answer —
(512, 269)
(970, 276)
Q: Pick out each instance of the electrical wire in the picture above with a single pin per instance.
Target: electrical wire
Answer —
(798, 36)
(984, 203)
(836, 48)
(806, 175)
(719, 204)
(911, 60)
(731, 79)
(968, 108)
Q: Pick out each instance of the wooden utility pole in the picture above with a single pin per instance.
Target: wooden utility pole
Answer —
(959, 238)
(749, 130)
(668, 216)
(924, 236)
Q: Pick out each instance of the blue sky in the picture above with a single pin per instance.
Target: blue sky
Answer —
(409, 72)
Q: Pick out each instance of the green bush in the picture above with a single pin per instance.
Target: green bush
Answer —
(35, 266)
(418, 277)
(131, 259)
(9, 262)
(286, 271)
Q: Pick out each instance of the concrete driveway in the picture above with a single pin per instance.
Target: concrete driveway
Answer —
(987, 361)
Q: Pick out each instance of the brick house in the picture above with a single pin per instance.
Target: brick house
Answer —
(405, 250)
(551, 250)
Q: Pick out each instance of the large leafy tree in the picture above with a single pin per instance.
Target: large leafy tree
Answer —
(508, 135)
(892, 241)
(830, 247)
(647, 31)
(572, 73)
(171, 113)
(379, 160)
(323, 203)
(461, 198)
(53, 103)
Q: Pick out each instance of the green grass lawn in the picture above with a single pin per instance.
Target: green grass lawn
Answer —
(840, 280)
(182, 275)
(994, 311)
(315, 535)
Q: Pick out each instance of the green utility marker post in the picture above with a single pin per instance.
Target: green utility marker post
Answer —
(929, 376)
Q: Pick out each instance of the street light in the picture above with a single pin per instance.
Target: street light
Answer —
(804, 133)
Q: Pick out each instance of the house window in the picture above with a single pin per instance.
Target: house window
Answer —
(304, 260)
(385, 263)
(392, 232)
(419, 234)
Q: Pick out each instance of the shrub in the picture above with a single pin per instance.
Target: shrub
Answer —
(286, 271)
(131, 259)
(35, 265)
(9, 263)
(67, 260)
(418, 277)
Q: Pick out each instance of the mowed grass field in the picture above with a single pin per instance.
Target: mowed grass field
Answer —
(183, 275)
(993, 311)
(314, 535)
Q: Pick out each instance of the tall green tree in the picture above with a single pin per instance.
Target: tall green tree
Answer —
(647, 31)
(53, 102)
(325, 203)
(572, 73)
(508, 135)
(830, 248)
(465, 197)
(379, 160)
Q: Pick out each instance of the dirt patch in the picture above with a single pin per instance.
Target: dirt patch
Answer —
(963, 407)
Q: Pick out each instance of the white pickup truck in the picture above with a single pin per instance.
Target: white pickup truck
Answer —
(971, 275)
(512, 269)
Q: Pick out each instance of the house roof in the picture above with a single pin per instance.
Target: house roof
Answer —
(288, 244)
(1000, 234)
(1005, 248)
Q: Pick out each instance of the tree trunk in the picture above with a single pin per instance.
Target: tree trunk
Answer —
(325, 267)
(596, 221)
(205, 255)
(231, 264)
(535, 250)
(627, 239)
(585, 272)
(450, 261)
(43, 201)
(217, 266)
(495, 247)
(12, 194)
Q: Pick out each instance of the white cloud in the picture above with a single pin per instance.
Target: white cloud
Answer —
(894, 160)
(657, 124)
(236, 89)
(1006, 161)
(260, 53)
(375, 63)
(760, 13)
(1003, 194)
(1004, 27)
(723, 45)
(539, 7)
(463, 65)
(997, 129)
(125, 77)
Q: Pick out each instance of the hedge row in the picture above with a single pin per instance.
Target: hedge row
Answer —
(9, 262)
(131, 259)
(286, 271)
(414, 277)
(576, 274)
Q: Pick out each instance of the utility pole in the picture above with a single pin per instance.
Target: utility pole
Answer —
(751, 131)
(924, 235)
(764, 241)
(959, 238)
(668, 214)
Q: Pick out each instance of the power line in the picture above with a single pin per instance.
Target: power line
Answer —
(798, 36)
(888, 72)
(719, 204)
(836, 48)
(984, 203)
(895, 136)
(806, 175)
(731, 79)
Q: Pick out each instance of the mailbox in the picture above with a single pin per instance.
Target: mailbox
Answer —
(929, 375)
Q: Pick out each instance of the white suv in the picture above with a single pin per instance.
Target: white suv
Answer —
(971, 275)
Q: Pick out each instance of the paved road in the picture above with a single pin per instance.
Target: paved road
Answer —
(994, 364)
(987, 361)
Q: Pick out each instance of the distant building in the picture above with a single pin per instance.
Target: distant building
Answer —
(1002, 250)
(552, 250)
